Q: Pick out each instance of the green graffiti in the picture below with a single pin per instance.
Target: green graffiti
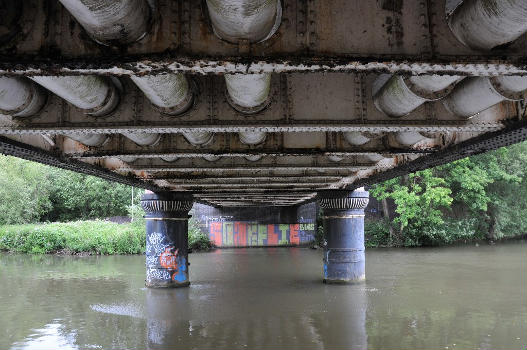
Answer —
(283, 235)
(262, 234)
(252, 234)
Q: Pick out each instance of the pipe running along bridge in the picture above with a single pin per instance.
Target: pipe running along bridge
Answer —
(259, 102)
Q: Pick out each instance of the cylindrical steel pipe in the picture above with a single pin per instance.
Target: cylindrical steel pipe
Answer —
(248, 93)
(169, 158)
(343, 219)
(357, 138)
(89, 92)
(111, 22)
(198, 138)
(408, 138)
(335, 159)
(211, 157)
(166, 215)
(485, 24)
(251, 20)
(143, 138)
(169, 92)
(252, 137)
(20, 97)
(253, 158)
(128, 159)
(93, 140)
(401, 95)
(476, 94)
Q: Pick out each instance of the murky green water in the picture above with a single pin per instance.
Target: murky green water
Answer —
(449, 298)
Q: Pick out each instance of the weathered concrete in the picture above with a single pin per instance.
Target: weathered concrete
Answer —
(235, 20)
(169, 92)
(198, 138)
(166, 215)
(20, 97)
(143, 139)
(248, 92)
(485, 24)
(400, 96)
(474, 95)
(93, 140)
(344, 230)
(96, 95)
(112, 22)
(252, 138)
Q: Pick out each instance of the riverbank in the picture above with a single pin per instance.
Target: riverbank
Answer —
(94, 237)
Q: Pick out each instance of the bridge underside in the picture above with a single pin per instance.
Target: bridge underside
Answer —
(333, 94)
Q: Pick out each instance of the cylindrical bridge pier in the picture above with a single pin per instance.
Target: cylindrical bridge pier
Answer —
(167, 238)
(344, 231)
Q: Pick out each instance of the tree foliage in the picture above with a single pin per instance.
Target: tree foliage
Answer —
(32, 192)
(476, 197)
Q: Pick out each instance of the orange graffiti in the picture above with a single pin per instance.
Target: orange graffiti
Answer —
(272, 236)
(168, 260)
(293, 234)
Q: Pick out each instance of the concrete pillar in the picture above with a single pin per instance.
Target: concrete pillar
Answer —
(252, 137)
(251, 20)
(20, 97)
(143, 138)
(92, 140)
(167, 238)
(485, 24)
(198, 138)
(89, 92)
(168, 92)
(111, 22)
(248, 93)
(476, 94)
(401, 95)
(344, 230)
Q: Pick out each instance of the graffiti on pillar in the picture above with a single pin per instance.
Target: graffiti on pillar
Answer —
(174, 263)
(163, 260)
(247, 234)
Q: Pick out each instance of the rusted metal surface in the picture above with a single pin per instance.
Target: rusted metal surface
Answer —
(311, 125)
(338, 35)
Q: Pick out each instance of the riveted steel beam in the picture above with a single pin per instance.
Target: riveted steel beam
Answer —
(514, 133)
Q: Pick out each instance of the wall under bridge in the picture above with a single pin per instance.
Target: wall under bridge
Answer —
(265, 226)
(257, 227)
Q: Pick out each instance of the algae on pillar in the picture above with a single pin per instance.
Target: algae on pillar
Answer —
(166, 215)
(344, 231)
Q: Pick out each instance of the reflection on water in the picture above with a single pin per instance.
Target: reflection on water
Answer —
(465, 297)
(47, 338)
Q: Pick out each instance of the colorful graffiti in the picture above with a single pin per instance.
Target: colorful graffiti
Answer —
(163, 260)
(249, 234)
(170, 260)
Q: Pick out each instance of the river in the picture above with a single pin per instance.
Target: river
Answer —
(466, 297)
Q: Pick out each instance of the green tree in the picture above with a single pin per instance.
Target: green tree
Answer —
(419, 198)
(24, 191)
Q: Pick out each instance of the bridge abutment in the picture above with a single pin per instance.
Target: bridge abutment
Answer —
(343, 219)
(167, 238)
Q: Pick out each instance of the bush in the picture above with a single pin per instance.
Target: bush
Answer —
(94, 237)
(197, 240)
(377, 233)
